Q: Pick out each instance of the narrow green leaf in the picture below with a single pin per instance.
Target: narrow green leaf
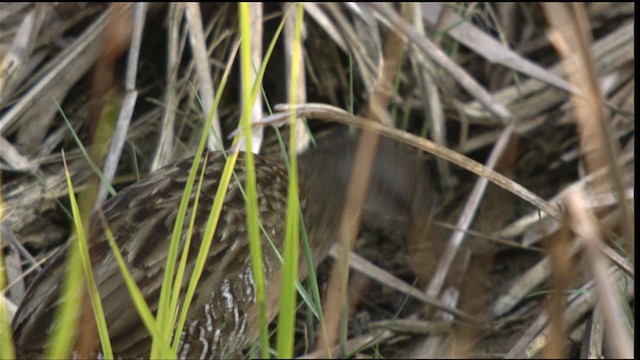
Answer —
(312, 300)
(83, 250)
(223, 184)
(214, 214)
(187, 245)
(136, 295)
(166, 315)
(286, 319)
(83, 149)
(6, 340)
(64, 331)
(255, 244)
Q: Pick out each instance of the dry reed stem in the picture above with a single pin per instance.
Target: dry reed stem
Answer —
(400, 26)
(164, 148)
(594, 334)
(560, 256)
(134, 38)
(537, 335)
(357, 190)
(365, 267)
(467, 216)
(198, 44)
(616, 331)
(329, 113)
(572, 38)
(529, 100)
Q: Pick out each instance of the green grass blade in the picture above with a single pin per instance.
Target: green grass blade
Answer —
(84, 151)
(187, 245)
(312, 300)
(207, 239)
(213, 215)
(255, 244)
(66, 314)
(83, 250)
(64, 332)
(309, 299)
(286, 319)
(167, 315)
(136, 295)
(6, 340)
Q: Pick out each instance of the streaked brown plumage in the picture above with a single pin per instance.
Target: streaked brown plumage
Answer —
(222, 318)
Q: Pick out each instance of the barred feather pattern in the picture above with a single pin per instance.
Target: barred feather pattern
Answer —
(141, 218)
(223, 316)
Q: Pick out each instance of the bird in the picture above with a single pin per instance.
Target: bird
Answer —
(222, 319)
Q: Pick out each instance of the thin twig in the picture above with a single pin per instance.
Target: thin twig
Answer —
(128, 104)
